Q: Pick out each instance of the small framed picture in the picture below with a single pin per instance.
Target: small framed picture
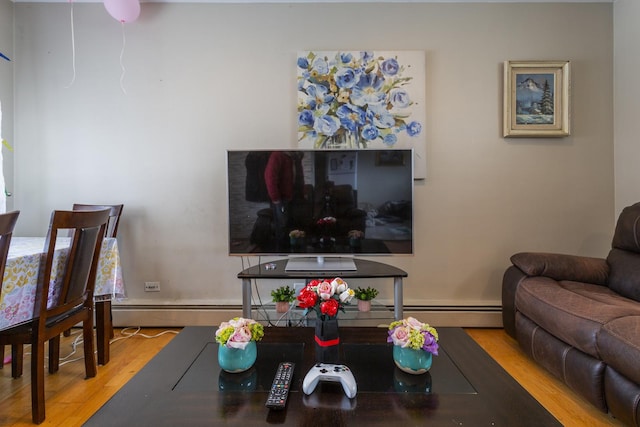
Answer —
(536, 99)
(390, 158)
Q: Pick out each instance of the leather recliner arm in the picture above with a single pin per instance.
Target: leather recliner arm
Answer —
(563, 267)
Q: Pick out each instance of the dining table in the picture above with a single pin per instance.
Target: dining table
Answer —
(17, 297)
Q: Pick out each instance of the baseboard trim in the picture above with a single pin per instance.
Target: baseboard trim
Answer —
(203, 315)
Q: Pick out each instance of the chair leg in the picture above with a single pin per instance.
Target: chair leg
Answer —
(111, 332)
(104, 330)
(17, 354)
(37, 382)
(54, 354)
(89, 358)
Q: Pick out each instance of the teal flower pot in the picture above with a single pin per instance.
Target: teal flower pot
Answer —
(234, 360)
(412, 361)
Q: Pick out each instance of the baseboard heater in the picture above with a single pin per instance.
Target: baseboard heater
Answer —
(202, 315)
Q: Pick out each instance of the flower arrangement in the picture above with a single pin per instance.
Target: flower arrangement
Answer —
(365, 294)
(327, 221)
(353, 98)
(296, 234)
(283, 294)
(238, 332)
(355, 234)
(411, 333)
(325, 297)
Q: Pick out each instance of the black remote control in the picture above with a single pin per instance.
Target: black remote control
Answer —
(280, 388)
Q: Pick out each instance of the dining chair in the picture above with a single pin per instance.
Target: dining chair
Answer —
(115, 211)
(7, 224)
(70, 303)
(104, 316)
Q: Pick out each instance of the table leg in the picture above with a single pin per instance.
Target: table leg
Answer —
(246, 298)
(397, 297)
(103, 330)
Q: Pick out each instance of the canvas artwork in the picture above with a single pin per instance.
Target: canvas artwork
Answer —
(362, 99)
(536, 98)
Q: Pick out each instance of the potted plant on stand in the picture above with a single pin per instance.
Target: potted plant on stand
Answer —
(364, 297)
(283, 297)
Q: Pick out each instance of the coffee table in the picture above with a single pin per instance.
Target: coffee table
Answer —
(183, 385)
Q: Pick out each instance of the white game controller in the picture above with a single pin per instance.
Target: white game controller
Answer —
(332, 373)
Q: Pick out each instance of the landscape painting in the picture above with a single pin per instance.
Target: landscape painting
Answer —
(536, 99)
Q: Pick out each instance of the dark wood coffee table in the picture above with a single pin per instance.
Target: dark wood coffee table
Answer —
(183, 385)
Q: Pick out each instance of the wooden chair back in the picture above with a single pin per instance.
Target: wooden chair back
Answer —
(7, 224)
(72, 303)
(86, 230)
(114, 215)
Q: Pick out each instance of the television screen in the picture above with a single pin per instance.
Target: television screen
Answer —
(320, 202)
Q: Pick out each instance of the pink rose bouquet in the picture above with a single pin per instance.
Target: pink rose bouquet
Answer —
(411, 333)
(238, 332)
(325, 297)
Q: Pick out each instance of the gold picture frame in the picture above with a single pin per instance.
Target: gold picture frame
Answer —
(536, 99)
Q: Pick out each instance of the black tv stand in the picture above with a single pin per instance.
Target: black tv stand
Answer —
(364, 270)
(320, 263)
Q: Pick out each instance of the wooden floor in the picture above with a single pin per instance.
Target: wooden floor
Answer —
(71, 400)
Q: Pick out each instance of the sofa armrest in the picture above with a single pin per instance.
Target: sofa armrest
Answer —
(563, 267)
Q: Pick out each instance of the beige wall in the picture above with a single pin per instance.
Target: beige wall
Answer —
(627, 102)
(203, 78)
(6, 92)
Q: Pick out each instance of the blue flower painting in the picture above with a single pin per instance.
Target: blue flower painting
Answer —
(361, 99)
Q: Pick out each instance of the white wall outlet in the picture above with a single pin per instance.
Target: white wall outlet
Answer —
(152, 286)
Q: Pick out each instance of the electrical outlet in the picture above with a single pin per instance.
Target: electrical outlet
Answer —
(152, 286)
(297, 287)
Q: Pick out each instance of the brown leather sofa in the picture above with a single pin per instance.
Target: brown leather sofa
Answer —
(579, 317)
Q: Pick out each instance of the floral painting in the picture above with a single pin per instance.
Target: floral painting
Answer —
(362, 99)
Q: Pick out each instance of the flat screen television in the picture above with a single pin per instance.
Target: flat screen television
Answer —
(320, 207)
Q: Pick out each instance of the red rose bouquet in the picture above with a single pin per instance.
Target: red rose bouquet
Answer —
(325, 297)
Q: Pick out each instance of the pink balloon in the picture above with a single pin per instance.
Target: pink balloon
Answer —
(124, 11)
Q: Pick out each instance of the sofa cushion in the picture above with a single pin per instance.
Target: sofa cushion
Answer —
(619, 345)
(624, 273)
(572, 311)
(624, 257)
(627, 234)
